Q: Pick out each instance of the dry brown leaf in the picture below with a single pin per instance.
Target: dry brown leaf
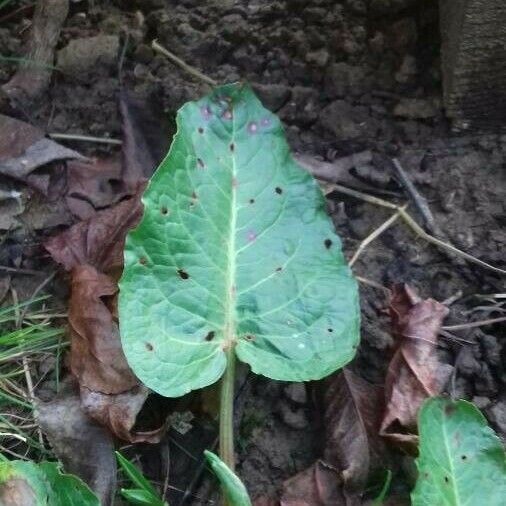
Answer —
(92, 251)
(99, 240)
(24, 148)
(96, 357)
(93, 185)
(85, 448)
(319, 485)
(352, 416)
(414, 373)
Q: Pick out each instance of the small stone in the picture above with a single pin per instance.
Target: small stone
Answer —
(407, 70)
(273, 96)
(296, 419)
(80, 56)
(296, 392)
(497, 415)
(342, 79)
(481, 402)
(348, 122)
(318, 58)
(415, 108)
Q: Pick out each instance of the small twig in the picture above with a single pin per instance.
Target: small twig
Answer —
(453, 298)
(35, 293)
(180, 63)
(85, 138)
(470, 325)
(374, 284)
(419, 200)
(456, 339)
(415, 227)
(373, 235)
(18, 270)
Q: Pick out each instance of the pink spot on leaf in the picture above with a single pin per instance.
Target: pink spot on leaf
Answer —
(205, 110)
(252, 127)
(251, 236)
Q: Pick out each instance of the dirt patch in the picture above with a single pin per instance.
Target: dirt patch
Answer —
(344, 77)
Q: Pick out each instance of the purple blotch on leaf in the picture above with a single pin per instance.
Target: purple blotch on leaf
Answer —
(252, 127)
(251, 235)
(265, 122)
(206, 112)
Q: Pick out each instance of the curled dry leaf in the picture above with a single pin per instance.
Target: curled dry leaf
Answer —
(319, 485)
(414, 373)
(85, 448)
(92, 251)
(352, 416)
(24, 148)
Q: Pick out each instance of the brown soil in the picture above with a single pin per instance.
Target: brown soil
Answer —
(344, 77)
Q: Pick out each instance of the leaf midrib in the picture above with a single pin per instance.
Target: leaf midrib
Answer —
(229, 327)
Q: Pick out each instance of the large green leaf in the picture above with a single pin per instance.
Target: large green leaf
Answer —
(462, 461)
(30, 484)
(234, 249)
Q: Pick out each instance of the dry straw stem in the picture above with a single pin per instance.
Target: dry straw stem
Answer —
(180, 63)
(414, 226)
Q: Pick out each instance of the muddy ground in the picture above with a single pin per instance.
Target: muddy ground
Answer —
(344, 76)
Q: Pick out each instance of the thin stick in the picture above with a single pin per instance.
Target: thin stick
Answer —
(373, 235)
(470, 325)
(415, 227)
(18, 270)
(86, 138)
(374, 284)
(419, 200)
(180, 63)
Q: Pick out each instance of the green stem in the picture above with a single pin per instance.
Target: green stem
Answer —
(227, 411)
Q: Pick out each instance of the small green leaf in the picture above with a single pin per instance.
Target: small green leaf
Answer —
(141, 497)
(29, 484)
(136, 477)
(67, 489)
(233, 488)
(461, 461)
(378, 501)
(234, 250)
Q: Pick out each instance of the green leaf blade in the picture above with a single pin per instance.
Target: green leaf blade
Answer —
(234, 249)
(27, 483)
(461, 461)
(233, 488)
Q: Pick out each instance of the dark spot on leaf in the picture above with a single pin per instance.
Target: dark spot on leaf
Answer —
(447, 480)
(279, 269)
(463, 457)
(210, 335)
(328, 243)
(449, 409)
(252, 127)
(425, 474)
(232, 147)
(194, 195)
(149, 347)
(200, 162)
(330, 330)
(200, 130)
(251, 201)
(183, 274)
(164, 210)
(142, 260)
(355, 346)
(234, 182)
(249, 337)
(279, 190)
